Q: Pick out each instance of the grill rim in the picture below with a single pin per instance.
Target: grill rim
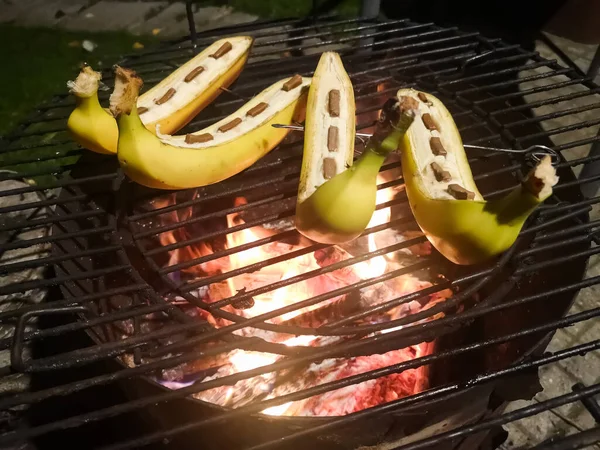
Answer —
(592, 199)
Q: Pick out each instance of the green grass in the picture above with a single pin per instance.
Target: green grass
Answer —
(283, 8)
(37, 62)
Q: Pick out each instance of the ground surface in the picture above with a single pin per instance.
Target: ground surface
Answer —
(42, 59)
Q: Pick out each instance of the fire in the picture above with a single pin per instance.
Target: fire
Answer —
(377, 266)
(285, 270)
(243, 360)
(277, 410)
(266, 300)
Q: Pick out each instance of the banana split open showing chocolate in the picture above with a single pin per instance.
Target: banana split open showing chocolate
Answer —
(443, 196)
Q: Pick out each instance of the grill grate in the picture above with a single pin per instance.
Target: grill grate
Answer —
(102, 244)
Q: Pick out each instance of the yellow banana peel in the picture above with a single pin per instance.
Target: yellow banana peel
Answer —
(443, 196)
(171, 104)
(209, 155)
(89, 124)
(338, 209)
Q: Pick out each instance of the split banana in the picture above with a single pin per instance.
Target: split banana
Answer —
(212, 154)
(443, 196)
(336, 199)
(172, 103)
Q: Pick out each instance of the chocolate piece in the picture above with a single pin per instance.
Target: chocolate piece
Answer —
(429, 122)
(408, 104)
(170, 93)
(460, 193)
(198, 138)
(255, 111)
(193, 74)
(292, 83)
(333, 136)
(440, 173)
(436, 147)
(333, 103)
(422, 97)
(222, 50)
(329, 168)
(229, 126)
(142, 110)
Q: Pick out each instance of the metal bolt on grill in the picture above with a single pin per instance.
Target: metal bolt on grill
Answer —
(116, 297)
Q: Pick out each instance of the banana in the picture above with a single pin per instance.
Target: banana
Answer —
(171, 104)
(337, 210)
(212, 154)
(89, 124)
(443, 196)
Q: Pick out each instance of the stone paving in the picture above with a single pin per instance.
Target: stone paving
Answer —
(558, 379)
(138, 17)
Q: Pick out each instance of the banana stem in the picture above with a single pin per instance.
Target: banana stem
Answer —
(390, 131)
(127, 88)
(513, 207)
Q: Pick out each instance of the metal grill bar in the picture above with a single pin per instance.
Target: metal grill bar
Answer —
(256, 407)
(472, 74)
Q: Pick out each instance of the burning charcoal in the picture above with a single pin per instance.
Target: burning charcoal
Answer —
(336, 310)
(253, 112)
(223, 49)
(165, 98)
(332, 255)
(193, 74)
(180, 372)
(356, 397)
(333, 103)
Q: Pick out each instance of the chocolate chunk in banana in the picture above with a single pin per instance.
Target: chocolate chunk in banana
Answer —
(437, 147)
(429, 122)
(333, 103)
(230, 125)
(198, 138)
(255, 111)
(333, 138)
(440, 173)
(460, 193)
(329, 168)
(166, 97)
(193, 74)
(223, 49)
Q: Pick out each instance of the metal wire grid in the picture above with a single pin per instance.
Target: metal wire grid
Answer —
(463, 68)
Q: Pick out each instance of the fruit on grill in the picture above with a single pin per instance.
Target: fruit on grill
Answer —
(89, 124)
(337, 199)
(209, 155)
(443, 196)
(171, 104)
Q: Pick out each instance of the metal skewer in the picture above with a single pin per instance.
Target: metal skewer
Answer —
(536, 152)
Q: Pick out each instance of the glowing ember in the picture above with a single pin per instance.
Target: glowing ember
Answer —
(261, 299)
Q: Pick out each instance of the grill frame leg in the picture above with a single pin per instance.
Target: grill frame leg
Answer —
(370, 8)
